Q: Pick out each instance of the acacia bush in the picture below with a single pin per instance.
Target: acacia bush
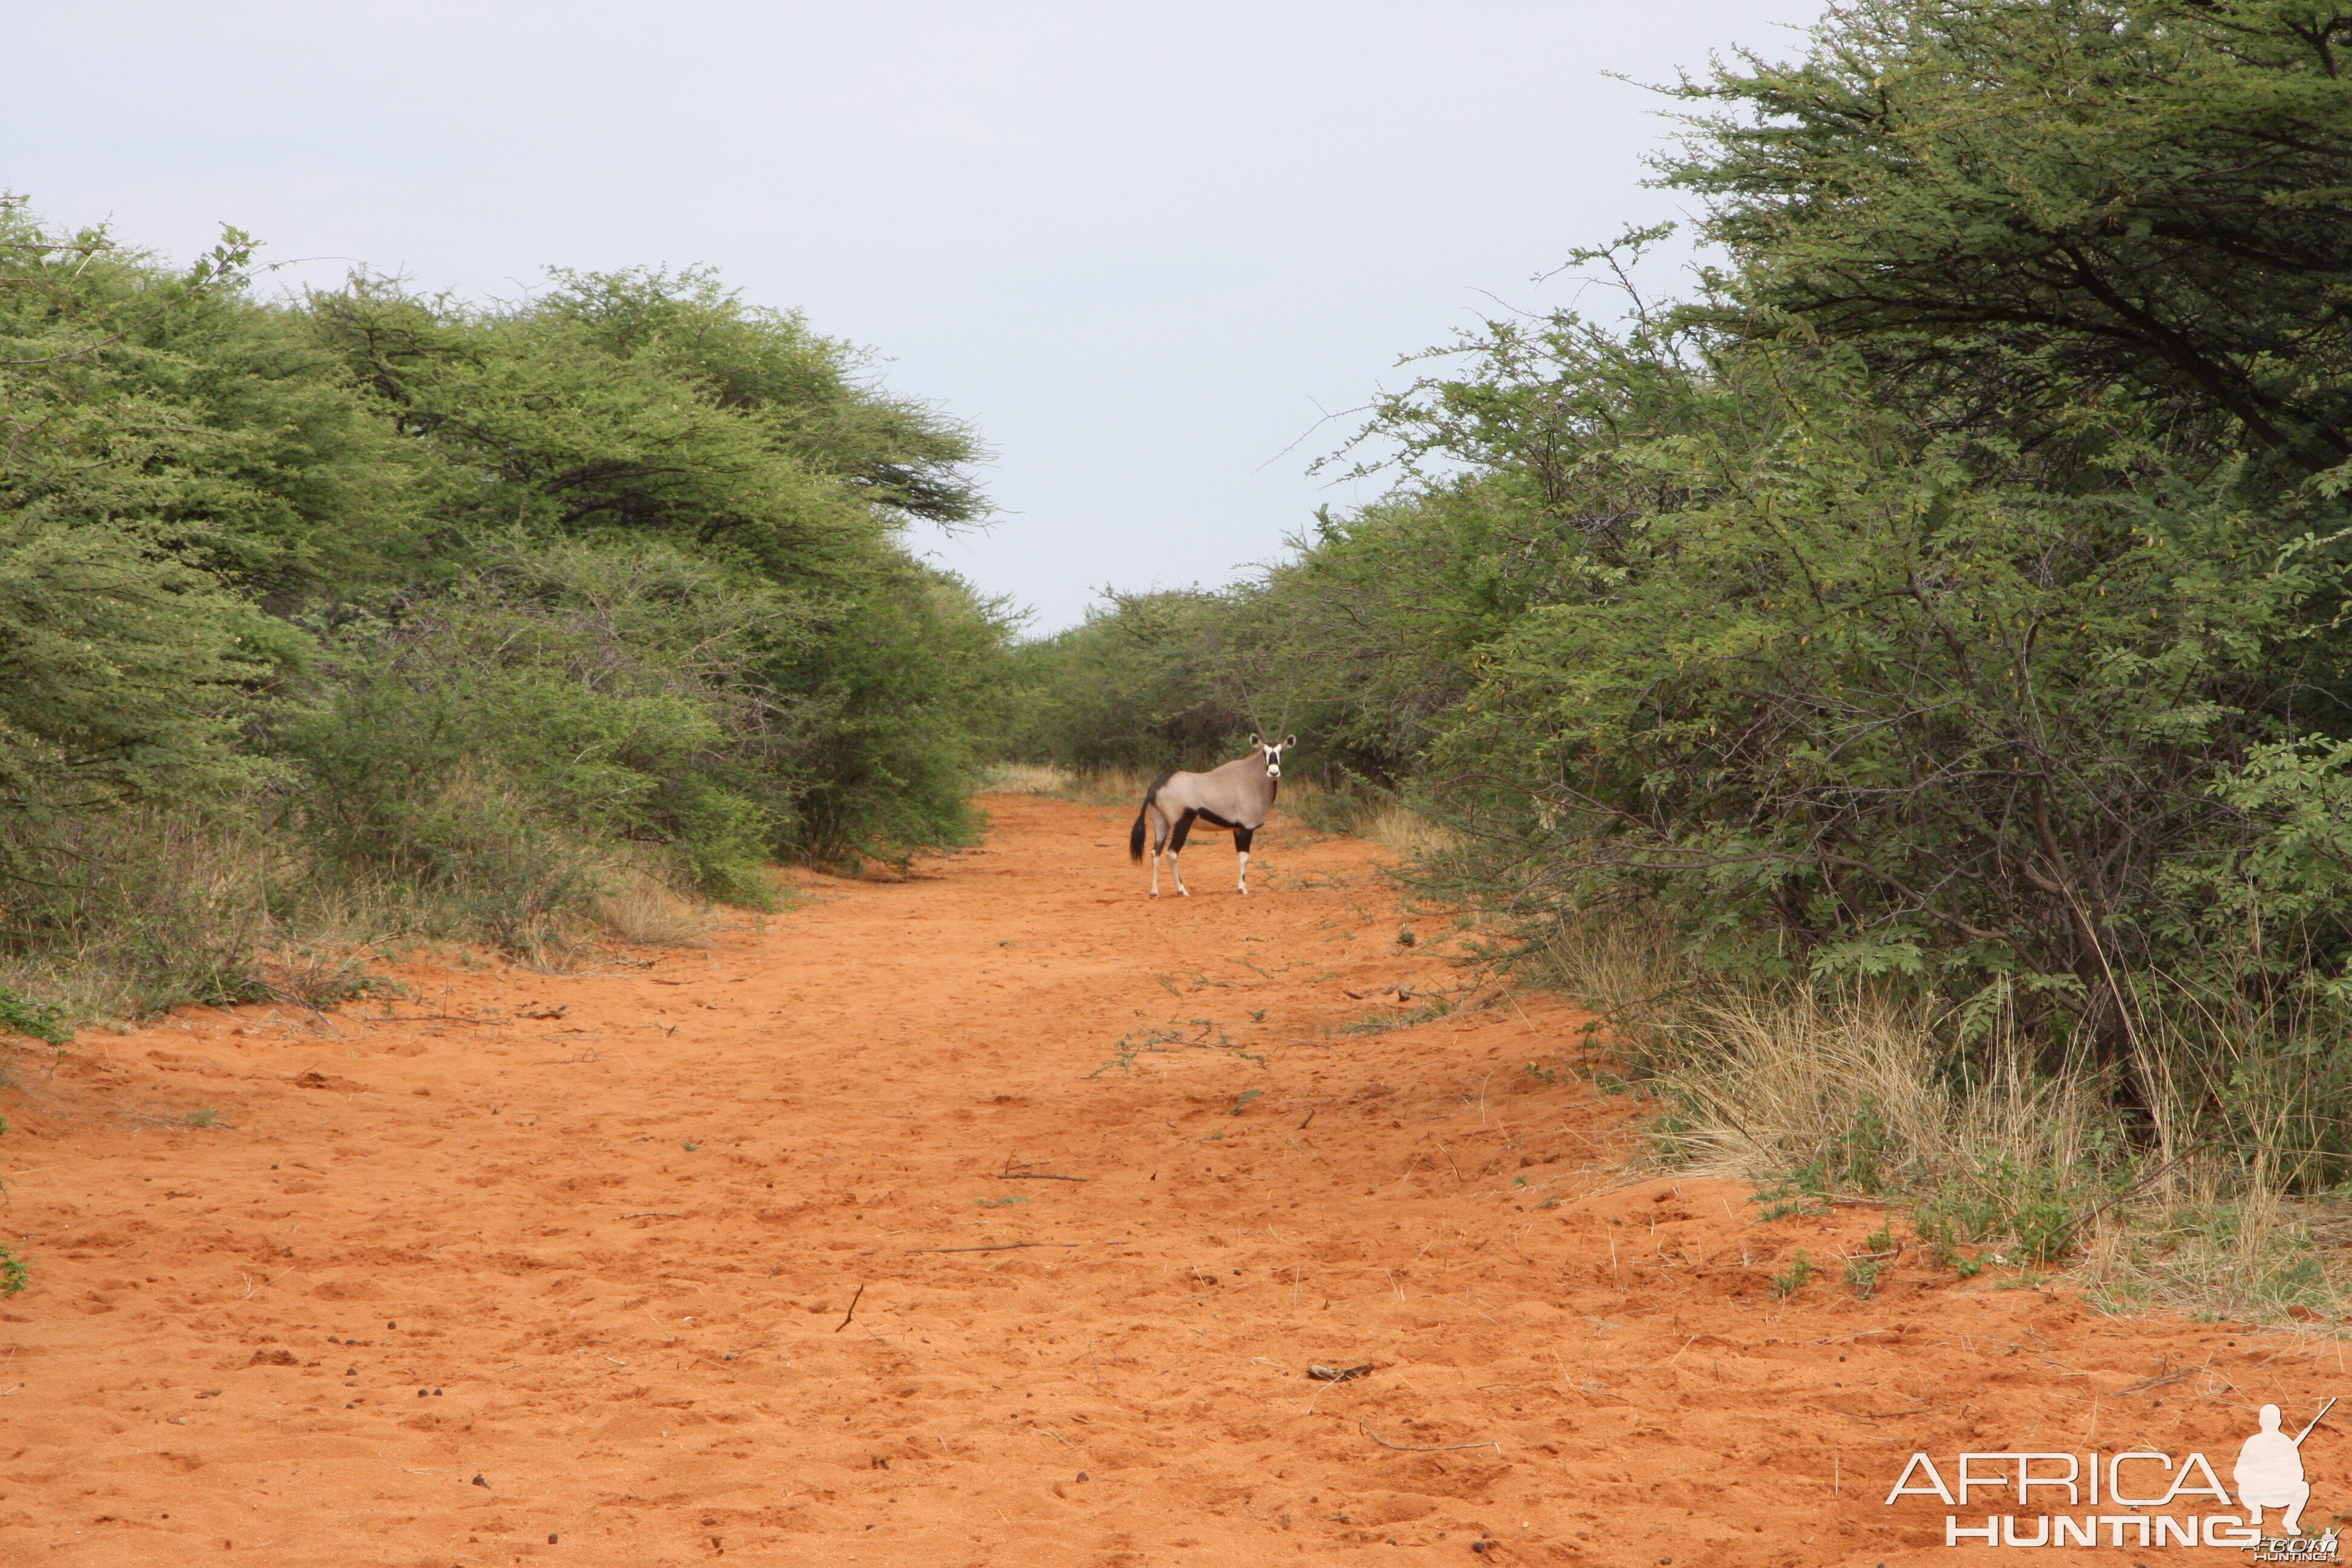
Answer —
(648, 409)
(1139, 686)
(608, 684)
(1953, 593)
(459, 612)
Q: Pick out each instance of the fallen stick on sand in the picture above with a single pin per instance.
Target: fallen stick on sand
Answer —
(853, 1309)
(2162, 1380)
(1407, 1448)
(1000, 1247)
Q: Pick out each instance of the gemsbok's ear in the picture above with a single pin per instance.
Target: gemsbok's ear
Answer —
(1253, 740)
(1289, 741)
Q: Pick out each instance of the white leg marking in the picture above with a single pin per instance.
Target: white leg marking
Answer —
(1245, 870)
(1178, 872)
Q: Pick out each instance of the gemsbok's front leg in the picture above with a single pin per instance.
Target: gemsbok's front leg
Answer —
(1242, 836)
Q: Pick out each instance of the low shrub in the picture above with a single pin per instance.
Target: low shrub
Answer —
(136, 911)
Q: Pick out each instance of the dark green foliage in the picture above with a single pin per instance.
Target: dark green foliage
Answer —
(1857, 1160)
(2018, 203)
(903, 679)
(2039, 1210)
(209, 429)
(1865, 700)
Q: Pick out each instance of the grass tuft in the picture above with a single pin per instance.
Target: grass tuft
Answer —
(2186, 1193)
(637, 906)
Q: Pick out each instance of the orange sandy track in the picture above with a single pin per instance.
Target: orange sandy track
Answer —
(618, 1245)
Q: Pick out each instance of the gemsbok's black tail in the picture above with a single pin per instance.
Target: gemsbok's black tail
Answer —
(1135, 834)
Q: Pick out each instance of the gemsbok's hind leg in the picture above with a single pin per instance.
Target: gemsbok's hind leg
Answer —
(1176, 847)
(1242, 836)
(1159, 842)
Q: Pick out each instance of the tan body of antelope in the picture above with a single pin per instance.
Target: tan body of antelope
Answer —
(1238, 796)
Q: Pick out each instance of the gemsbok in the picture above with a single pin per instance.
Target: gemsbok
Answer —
(1238, 796)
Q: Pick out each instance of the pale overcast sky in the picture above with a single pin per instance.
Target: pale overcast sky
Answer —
(1144, 250)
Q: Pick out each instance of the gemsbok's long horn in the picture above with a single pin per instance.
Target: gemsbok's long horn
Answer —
(1257, 723)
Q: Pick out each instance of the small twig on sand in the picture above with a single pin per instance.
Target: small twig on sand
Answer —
(1024, 1174)
(427, 1018)
(1405, 1449)
(651, 1214)
(853, 1309)
(291, 999)
(2162, 1380)
(999, 1247)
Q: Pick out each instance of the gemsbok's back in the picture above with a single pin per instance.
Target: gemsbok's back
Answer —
(1238, 796)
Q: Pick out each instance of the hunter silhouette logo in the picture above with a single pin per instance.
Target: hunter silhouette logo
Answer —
(2270, 1471)
(2173, 1504)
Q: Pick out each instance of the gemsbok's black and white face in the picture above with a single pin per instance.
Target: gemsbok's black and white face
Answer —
(1273, 753)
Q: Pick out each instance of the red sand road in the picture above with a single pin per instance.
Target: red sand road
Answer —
(600, 1253)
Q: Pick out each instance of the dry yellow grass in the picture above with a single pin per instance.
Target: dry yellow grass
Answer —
(1793, 1088)
(1107, 787)
(1024, 778)
(1765, 1084)
(1111, 787)
(1397, 827)
(636, 907)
